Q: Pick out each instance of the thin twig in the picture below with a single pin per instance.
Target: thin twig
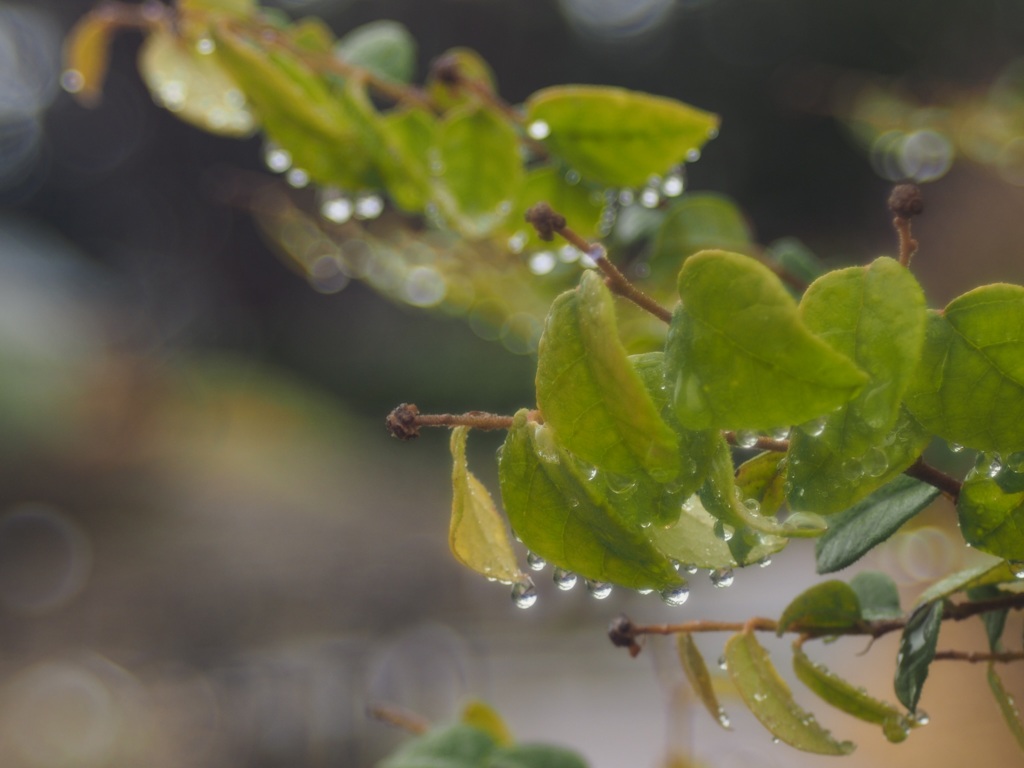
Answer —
(404, 422)
(926, 473)
(1003, 657)
(399, 717)
(905, 202)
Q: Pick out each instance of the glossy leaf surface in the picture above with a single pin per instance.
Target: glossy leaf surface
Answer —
(478, 535)
(568, 520)
(738, 356)
(763, 479)
(1007, 705)
(696, 670)
(590, 394)
(871, 521)
(991, 571)
(478, 173)
(969, 387)
(991, 520)
(769, 698)
(875, 316)
(849, 698)
(617, 137)
(917, 649)
(831, 605)
(878, 596)
(385, 48)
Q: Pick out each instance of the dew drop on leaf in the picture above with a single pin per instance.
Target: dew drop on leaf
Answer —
(896, 729)
(746, 438)
(572, 177)
(722, 578)
(764, 562)
(921, 717)
(693, 155)
(753, 506)
(205, 46)
(297, 178)
(542, 262)
(673, 184)
(675, 596)
(564, 580)
(723, 531)
(875, 463)
(620, 484)
(1017, 566)
(955, 447)
(524, 593)
(336, 208)
(535, 562)
(598, 590)
(538, 130)
(369, 205)
(277, 159)
(780, 433)
(722, 663)
(815, 428)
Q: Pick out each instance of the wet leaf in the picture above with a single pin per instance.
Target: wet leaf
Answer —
(875, 316)
(991, 571)
(471, 67)
(194, 86)
(87, 56)
(917, 649)
(477, 173)
(409, 134)
(738, 355)
(534, 756)
(385, 48)
(845, 696)
(829, 606)
(994, 621)
(695, 222)
(478, 535)
(590, 394)
(969, 386)
(771, 701)
(871, 521)
(234, 7)
(990, 520)
(1008, 707)
(311, 34)
(580, 203)
(568, 520)
(878, 596)
(455, 746)
(616, 137)
(797, 259)
(483, 716)
(700, 679)
(762, 478)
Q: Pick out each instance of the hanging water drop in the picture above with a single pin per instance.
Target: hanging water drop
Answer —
(564, 580)
(277, 159)
(815, 428)
(753, 506)
(535, 562)
(690, 569)
(297, 178)
(780, 433)
(650, 197)
(722, 578)
(673, 184)
(746, 438)
(72, 81)
(693, 155)
(995, 466)
(764, 562)
(336, 209)
(896, 729)
(369, 205)
(776, 740)
(1017, 567)
(921, 717)
(644, 591)
(542, 262)
(723, 531)
(524, 593)
(538, 130)
(598, 590)
(722, 663)
(620, 484)
(675, 596)
(723, 719)
(875, 463)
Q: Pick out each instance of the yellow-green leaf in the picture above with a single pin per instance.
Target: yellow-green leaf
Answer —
(1007, 706)
(769, 698)
(829, 606)
(991, 520)
(87, 56)
(471, 67)
(486, 718)
(478, 535)
(697, 673)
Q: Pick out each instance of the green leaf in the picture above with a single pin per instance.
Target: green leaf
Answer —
(454, 746)
(994, 621)
(478, 173)
(695, 222)
(831, 605)
(568, 520)
(385, 48)
(991, 571)
(616, 137)
(850, 699)
(878, 596)
(738, 355)
(240, 8)
(311, 34)
(770, 700)
(917, 649)
(534, 756)
(1008, 707)
(797, 259)
(700, 679)
(853, 533)
(472, 67)
(763, 478)
(477, 535)
(990, 520)
(87, 56)
(580, 203)
(969, 387)
(483, 716)
(590, 394)
(875, 316)
(194, 86)
(408, 134)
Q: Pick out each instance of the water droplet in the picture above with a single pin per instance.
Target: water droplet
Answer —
(644, 591)
(297, 178)
(569, 254)
(626, 197)
(690, 569)
(759, 697)
(524, 593)
(722, 663)
(542, 262)
(650, 197)
(369, 205)
(775, 739)
(337, 209)
(896, 729)
(598, 590)
(564, 580)
(875, 462)
(921, 717)
(1017, 567)
(621, 485)
(955, 447)
(693, 155)
(544, 445)
(723, 531)
(723, 719)
(535, 562)
(995, 466)
(205, 46)
(277, 159)
(815, 428)
(853, 470)
(675, 596)
(72, 81)
(753, 506)
(722, 578)
(538, 130)
(764, 562)
(673, 184)
(805, 521)
(746, 438)
(424, 287)
(713, 132)
(572, 177)
(517, 242)
(780, 433)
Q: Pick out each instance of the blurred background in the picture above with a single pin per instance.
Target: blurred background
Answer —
(210, 552)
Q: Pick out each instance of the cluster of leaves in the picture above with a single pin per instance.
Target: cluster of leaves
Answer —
(624, 471)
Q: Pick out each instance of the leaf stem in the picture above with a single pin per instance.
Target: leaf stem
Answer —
(404, 422)
(1004, 657)
(905, 202)
(936, 478)
(548, 222)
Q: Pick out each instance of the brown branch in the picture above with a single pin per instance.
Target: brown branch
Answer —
(399, 717)
(1003, 657)
(763, 443)
(404, 422)
(905, 202)
(549, 222)
(926, 473)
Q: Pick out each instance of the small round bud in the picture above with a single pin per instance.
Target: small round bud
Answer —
(546, 220)
(906, 201)
(401, 422)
